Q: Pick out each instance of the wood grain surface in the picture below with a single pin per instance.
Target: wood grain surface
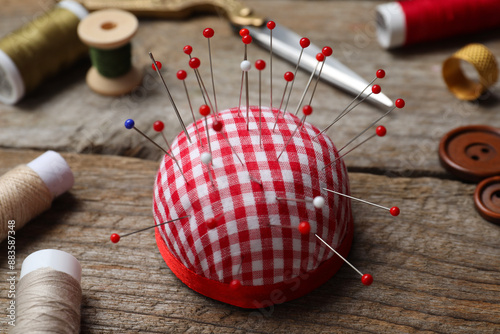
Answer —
(436, 266)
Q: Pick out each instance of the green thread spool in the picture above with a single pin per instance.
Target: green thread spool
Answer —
(39, 50)
(108, 34)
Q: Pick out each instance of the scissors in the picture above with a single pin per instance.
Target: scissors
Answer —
(285, 42)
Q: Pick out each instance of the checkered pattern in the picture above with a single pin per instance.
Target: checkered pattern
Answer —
(256, 239)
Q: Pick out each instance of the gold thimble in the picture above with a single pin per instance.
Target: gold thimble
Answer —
(484, 63)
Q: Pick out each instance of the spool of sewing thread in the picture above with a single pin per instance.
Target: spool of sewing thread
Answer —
(108, 34)
(40, 49)
(403, 23)
(28, 190)
(48, 294)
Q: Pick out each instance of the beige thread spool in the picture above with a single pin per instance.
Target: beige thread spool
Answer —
(28, 190)
(48, 294)
(106, 30)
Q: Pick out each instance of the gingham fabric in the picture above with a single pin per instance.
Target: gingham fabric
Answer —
(256, 239)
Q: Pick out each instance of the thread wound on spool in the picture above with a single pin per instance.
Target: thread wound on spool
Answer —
(47, 301)
(108, 33)
(37, 51)
(23, 195)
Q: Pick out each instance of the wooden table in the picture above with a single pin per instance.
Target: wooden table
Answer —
(436, 266)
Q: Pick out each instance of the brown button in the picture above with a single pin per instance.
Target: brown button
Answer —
(487, 199)
(471, 153)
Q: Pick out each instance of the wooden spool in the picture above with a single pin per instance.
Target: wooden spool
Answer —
(110, 29)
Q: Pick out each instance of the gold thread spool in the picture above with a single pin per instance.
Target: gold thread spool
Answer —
(484, 63)
(110, 29)
(39, 50)
(28, 190)
(48, 294)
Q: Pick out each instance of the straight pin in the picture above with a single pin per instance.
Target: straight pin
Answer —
(307, 110)
(394, 211)
(260, 65)
(320, 58)
(380, 74)
(195, 63)
(158, 126)
(205, 111)
(157, 69)
(209, 33)
(206, 159)
(288, 77)
(380, 131)
(271, 25)
(116, 237)
(304, 43)
(130, 124)
(181, 75)
(376, 89)
(243, 32)
(247, 39)
(327, 51)
(366, 279)
(400, 103)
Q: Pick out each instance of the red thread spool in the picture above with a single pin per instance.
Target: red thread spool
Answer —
(403, 23)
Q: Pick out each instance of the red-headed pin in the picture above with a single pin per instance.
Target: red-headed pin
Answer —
(157, 69)
(394, 211)
(307, 110)
(379, 131)
(304, 43)
(271, 25)
(209, 33)
(158, 126)
(115, 237)
(378, 75)
(182, 75)
(205, 111)
(260, 65)
(320, 57)
(366, 279)
(289, 76)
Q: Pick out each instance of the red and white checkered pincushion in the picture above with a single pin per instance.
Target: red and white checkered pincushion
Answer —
(255, 239)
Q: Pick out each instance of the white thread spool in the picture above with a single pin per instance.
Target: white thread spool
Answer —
(28, 190)
(49, 293)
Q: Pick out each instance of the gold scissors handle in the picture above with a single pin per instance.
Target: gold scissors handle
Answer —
(237, 13)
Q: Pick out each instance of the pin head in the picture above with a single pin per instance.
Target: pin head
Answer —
(400, 103)
(211, 223)
(194, 63)
(245, 66)
(289, 76)
(380, 73)
(244, 32)
(181, 74)
(246, 39)
(271, 25)
(158, 126)
(394, 211)
(307, 110)
(235, 284)
(188, 49)
(208, 33)
(217, 125)
(206, 158)
(327, 51)
(381, 131)
(318, 202)
(158, 65)
(376, 89)
(367, 279)
(204, 110)
(304, 42)
(320, 57)
(114, 238)
(304, 228)
(260, 64)
(129, 123)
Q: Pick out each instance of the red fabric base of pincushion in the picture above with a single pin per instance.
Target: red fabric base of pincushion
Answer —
(261, 295)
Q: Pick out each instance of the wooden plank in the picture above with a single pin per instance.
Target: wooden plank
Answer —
(65, 115)
(436, 266)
